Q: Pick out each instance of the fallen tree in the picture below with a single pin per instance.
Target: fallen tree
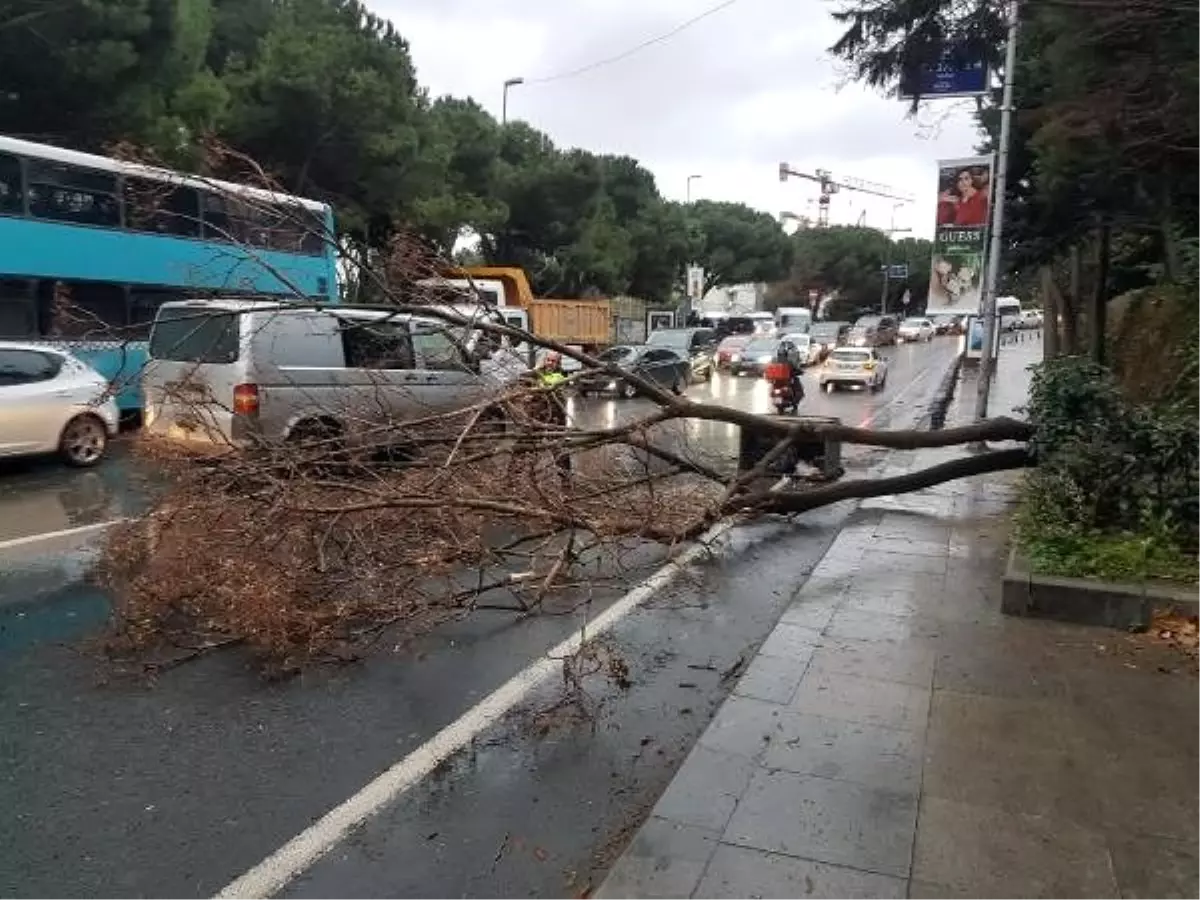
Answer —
(314, 549)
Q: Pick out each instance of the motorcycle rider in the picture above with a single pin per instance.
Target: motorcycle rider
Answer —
(783, 358)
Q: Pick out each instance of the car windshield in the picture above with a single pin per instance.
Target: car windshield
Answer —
(854, 356)
(759, 348)
(800, 339)
(675, 340)
(734, 342)
(914, 323)
(820, 332)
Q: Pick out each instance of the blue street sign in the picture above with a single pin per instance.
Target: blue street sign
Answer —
(950, 78)
(898, 273)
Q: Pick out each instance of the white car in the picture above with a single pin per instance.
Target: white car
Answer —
(854, 367)
(50, 402)
(1030, 318)
(916, 329)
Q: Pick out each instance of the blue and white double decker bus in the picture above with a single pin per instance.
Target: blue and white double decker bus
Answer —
(90, 247)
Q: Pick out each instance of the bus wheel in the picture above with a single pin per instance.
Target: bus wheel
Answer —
(84, 441)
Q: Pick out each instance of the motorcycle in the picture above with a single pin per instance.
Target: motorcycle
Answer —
(786, 389)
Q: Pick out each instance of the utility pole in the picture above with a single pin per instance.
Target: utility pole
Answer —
(509, 83)
(883, 296)
(999, 189)
(690, 179)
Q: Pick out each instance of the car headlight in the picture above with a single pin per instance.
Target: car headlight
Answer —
(766, 358)
(614, 384)
(737, 357)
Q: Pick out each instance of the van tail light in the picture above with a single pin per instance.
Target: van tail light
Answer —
(245, 399)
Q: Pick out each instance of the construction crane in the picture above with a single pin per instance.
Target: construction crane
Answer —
(831, 185)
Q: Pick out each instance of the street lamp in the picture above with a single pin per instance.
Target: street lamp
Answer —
(511, 82)
(690, 179)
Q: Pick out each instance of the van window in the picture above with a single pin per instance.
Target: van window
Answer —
(437, 351)
(377, 345)
(195, 334)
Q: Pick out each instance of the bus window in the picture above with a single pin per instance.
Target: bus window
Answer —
(12, 198)
(70, 194)
(316, 233)
(18, 309)
(161, 208)
(143, 307)
(92, 310)
(215, 213)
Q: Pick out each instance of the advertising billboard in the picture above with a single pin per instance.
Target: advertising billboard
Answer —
(960, 236)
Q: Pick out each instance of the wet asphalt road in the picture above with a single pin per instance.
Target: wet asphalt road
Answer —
(117, 788)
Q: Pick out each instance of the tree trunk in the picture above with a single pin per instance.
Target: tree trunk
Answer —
(1070, 312)
(1051, 310)
(1098, 317)
(803, 501)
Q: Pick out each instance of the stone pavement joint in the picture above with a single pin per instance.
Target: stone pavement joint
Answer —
(897, 736)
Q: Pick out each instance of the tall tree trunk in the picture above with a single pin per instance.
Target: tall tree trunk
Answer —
(1070, 306)
(1099, 311)
(1170, 235)
(1051, 308)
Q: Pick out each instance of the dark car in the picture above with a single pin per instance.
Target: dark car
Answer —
(763, 350)
(697, 345)
(660, 365)
(874, 331)
(730, 349)
(945, 323)
(825, 337)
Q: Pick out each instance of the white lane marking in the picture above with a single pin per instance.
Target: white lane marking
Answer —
(80, 531)
(275, 872)
(920, 379)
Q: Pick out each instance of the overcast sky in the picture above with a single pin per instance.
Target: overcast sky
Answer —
(727, 98)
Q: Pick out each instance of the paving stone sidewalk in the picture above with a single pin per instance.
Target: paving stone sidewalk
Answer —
(897, 736)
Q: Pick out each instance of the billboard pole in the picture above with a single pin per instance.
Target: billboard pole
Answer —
(999, 189)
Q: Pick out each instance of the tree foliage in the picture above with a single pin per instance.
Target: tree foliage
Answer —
(845, 262)
(1105, 135)
(738, 244)
(323, 95)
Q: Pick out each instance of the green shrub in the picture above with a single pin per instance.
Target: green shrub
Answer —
(1115, 491)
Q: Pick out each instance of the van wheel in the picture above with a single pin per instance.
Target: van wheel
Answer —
(84, 441)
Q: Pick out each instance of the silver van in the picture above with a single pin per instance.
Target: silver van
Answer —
(245, 371)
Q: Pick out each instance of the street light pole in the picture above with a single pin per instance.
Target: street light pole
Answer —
(690, 179)
(509, 83)
(999, 189)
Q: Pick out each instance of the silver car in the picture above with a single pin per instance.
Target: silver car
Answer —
(51, 402)
(241, 372)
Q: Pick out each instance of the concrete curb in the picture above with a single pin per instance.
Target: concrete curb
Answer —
(1088, 601)
(936, 417)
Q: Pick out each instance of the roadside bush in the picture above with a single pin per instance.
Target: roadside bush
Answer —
(1115, 491)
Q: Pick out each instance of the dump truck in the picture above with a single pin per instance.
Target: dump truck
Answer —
(590, 325)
